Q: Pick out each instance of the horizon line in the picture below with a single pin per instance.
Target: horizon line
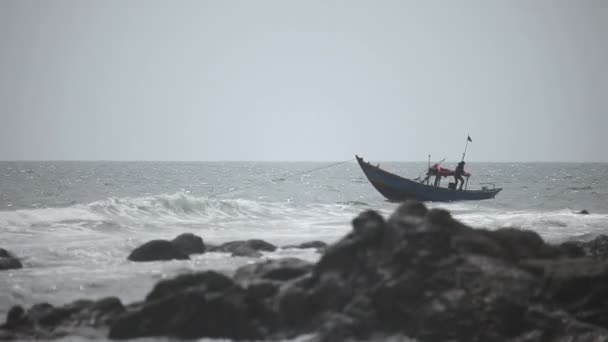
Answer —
(281, 161)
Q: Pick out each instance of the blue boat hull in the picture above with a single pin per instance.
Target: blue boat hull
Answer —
(398, 189)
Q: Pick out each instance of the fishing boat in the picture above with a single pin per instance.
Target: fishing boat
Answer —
(397, 189)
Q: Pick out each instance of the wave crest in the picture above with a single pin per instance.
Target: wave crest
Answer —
(168, 210)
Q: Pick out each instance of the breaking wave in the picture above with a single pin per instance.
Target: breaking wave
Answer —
(171, 210)
(185, 211)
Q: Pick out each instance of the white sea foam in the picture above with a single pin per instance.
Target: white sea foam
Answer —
(167, 211)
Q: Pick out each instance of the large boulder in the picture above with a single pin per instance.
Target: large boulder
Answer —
(193, 313)
(206, 281)
(245, 248)
(189, 243)
(8, 260)
(179, 248)
(157, 250)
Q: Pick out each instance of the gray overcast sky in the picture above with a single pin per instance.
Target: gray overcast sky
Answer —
(303, 80)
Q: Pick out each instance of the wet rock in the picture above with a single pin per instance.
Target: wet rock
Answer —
(179, 248)
(261, 288)
(191, 314)
(5, 254)
(408, 210)
(156, 250)
(8, 260)
(522, 244)
(242, 247)
(10, 263)
(45, 321)
(584, 212)
(245, 251)
(596, 248)
(15, 316)
(579, 286)
(368, 226)
(352, 251)
(570, 249)
(294, 306)
(189, 243)
(277, 269)
(205, 281)
(318, 245)
(543, 324)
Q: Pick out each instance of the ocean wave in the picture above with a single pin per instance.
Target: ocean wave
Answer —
(189, 212)
(170, 210)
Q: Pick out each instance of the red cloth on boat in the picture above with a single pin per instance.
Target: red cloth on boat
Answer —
(436, 169)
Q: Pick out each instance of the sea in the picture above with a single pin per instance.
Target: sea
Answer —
(73, 223)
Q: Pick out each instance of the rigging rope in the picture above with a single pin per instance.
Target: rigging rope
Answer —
(285, 177)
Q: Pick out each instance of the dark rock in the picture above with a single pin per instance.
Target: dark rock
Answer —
(44, 321)
(178, 249)
(440, 220)
(368, 225)
(476, 243)
(206, 281)
(245, 251)
(157, 250)
(10, 263)
(5, 254)
(313, 244)
(8, 260)
(244, 246)
(596, 248)
(294, 306)
(191, 314)
(189, 243)
(571, 249)
(543, 324)
(15, 316)
(262, 288)
(522, 244)
(278, 269)
(584, 212)
(319, 245)
(350, 251)
(409, 209)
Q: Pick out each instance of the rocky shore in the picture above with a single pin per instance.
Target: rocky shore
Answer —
(418, 273)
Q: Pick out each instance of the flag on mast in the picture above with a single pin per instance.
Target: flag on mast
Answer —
(469, 138)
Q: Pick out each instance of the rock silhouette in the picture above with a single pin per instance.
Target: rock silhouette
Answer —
(179, 248)
(8, 260)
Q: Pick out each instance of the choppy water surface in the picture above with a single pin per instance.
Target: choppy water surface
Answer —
(74, 223)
